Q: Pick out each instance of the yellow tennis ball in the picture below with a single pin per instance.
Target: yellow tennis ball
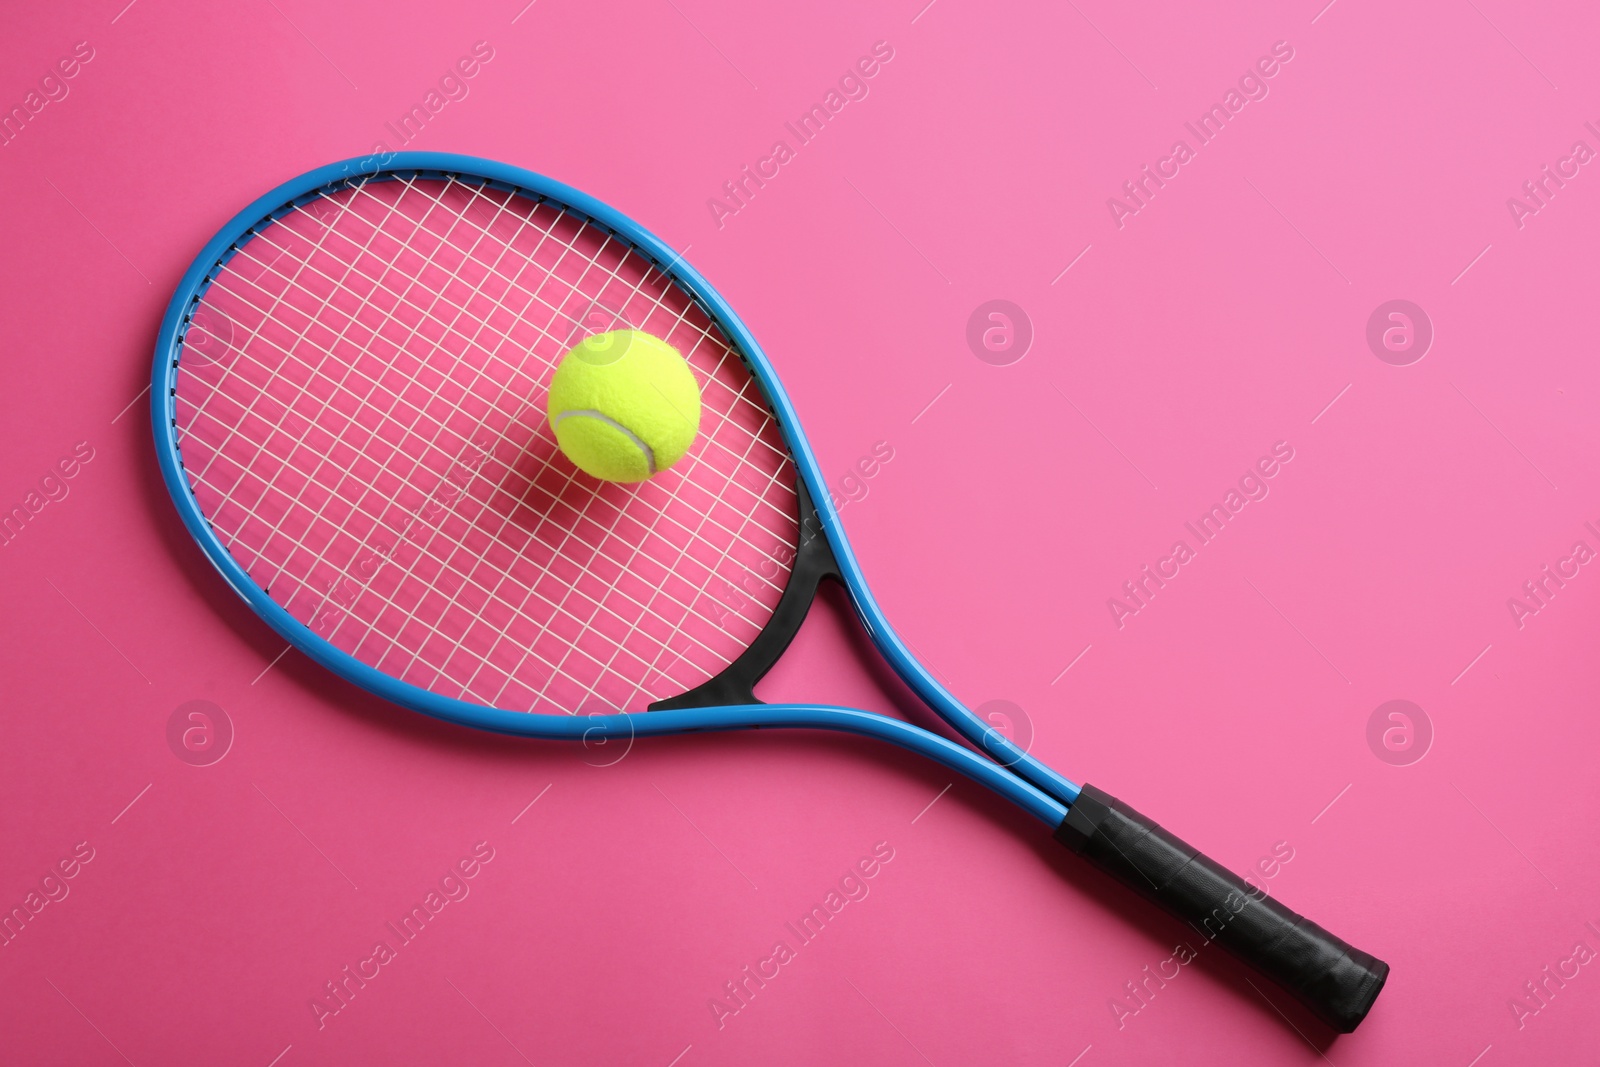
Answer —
(624, 405)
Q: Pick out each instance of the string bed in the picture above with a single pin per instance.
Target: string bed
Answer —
(361, 417)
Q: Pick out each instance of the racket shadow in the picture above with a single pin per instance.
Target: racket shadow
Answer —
(1163, 932)
(831, 610)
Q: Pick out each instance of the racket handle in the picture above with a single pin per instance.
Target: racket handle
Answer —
(1337, 981)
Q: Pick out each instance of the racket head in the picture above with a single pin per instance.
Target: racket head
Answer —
(260, 321)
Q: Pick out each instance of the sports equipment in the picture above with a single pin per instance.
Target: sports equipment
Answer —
(345, 405)
(624, 405)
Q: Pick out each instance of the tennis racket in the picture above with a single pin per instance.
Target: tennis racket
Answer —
(348, 400)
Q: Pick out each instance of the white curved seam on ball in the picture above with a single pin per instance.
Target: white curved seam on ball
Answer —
(649, 453)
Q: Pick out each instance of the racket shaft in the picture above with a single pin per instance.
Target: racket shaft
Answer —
(1337, 981)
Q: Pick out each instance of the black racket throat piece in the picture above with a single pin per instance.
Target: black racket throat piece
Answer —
(813, 561)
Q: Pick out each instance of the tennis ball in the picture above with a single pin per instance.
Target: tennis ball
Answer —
(624, 405)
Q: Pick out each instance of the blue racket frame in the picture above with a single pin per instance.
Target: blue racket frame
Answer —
(1008, 770)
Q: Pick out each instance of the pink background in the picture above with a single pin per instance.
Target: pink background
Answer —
(1224, 317)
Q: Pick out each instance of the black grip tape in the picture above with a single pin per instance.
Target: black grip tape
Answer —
(1337, 981)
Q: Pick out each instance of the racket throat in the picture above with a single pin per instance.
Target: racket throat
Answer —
(736, 683)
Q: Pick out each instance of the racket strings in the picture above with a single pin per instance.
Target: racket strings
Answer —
(618, 644)
(448, 605)
(438, 297)
(713, 441)
(586, 267)
(561, 606)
